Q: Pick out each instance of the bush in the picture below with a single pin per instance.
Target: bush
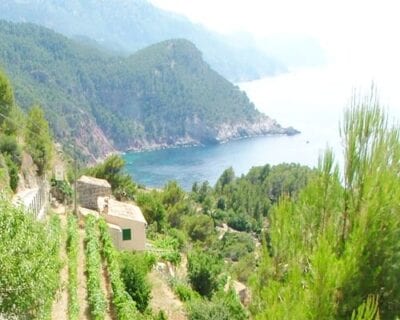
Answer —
(134, 268)
(223, 306)
(199, 227)
(9, 146)
(236, 245)
(13, 173)
(184, 292)
(62, 191)
(203, 272)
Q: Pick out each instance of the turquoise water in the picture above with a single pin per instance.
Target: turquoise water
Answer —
(188, 165)
(311, 101)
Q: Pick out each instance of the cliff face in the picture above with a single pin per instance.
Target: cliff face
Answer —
(223, 133)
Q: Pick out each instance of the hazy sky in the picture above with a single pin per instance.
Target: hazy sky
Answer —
(354, 31)
(361, 39)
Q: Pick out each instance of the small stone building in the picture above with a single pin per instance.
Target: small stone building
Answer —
(89, 189)
(127, 225)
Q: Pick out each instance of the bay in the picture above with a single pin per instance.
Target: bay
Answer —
(311, 100)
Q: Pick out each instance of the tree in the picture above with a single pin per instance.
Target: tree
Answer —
(203, 272)
(38, 139)
(6, 102)
(112, 170)
(338, 242)
(134, 268)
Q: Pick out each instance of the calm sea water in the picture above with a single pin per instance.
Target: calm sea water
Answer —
(311, 100)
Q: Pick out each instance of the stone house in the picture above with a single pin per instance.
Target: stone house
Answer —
(126, 223)
(89, 189)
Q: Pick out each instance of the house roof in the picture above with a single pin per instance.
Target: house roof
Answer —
(94, 181)
(120, 209)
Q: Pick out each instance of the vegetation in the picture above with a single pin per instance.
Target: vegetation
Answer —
(72, 253)
(203, 272)
(158, 95)
(128, 26)
(134, 268)
(112, 170)
(38, 139)
(124, 305)
(30, 263)
(96, 298)
(337, 243)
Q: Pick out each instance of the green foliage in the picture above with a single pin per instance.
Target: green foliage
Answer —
(337, 243)
(244, 268)
(72, 253)
(367, 311)
(111, 169)
(223, 306)
(6, 105)
(4, 178)
(243, 202)
(169, 247)
(134, 268)
(97, 300)
(61, 190)
(184, 292)
(152, 208)
(38, 139)
(10, 147)
(203, 272)
(30, 263)
(199, 227)
(235, 245)
(13, 173)
(122, 301)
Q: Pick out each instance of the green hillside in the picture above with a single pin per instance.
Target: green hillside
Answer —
(129, 25)
(163, 95)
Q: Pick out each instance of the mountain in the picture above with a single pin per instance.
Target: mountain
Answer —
(129, 25)
(164, 95)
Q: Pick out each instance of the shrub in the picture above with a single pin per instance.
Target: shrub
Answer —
(134, 268)
(203, 272)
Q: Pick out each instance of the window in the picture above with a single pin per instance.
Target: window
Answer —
(126, 234)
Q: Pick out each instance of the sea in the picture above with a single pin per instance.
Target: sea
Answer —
(311, 100)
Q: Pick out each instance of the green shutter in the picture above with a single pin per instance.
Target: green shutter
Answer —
(126, 234)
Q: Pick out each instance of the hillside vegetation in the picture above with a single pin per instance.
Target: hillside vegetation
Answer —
(129, 25)
(163, 95)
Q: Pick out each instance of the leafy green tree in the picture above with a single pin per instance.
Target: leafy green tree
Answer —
(112, 169)
(199, 227)
(153, 209)
(203, 272)
(134, 268)
(38, 139)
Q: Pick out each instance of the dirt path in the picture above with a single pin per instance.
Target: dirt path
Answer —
(60, 306)
(82, 293)
(164, 299)
(105, 286)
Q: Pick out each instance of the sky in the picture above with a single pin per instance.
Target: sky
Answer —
(352, 31)
(360, 37)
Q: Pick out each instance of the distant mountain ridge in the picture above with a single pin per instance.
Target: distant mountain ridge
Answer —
(129, 25)
(162, 96)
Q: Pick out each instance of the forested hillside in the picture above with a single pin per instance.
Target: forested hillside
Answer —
(163, 95)
(129, 25)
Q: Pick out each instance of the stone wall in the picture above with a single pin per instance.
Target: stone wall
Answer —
(90, 190)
